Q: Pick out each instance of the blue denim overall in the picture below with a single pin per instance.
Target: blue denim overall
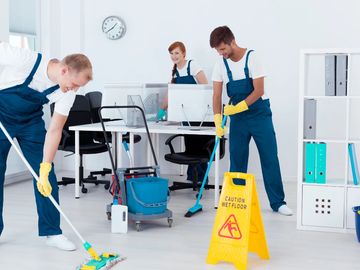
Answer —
(254, 123)
(21, 114)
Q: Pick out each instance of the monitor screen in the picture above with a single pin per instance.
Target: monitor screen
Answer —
(190, 102)
(151, 95)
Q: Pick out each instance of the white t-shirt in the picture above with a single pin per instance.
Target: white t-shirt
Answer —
(16, 65)
(194, 69)
(237, 69)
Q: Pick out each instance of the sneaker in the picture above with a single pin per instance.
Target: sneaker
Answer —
(61, 242)
(285, 210)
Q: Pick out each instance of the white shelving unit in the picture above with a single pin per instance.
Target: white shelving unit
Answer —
(328, 207)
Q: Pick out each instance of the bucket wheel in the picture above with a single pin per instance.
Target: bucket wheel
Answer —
(138, 226)
(170, 222)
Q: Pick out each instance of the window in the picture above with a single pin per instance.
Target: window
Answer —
(23, 23)
(22, 41)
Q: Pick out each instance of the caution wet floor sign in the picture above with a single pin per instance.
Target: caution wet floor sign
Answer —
(238, 226)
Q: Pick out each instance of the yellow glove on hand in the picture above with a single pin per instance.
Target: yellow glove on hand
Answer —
(238, 108)
(219, 130)
(43, 185)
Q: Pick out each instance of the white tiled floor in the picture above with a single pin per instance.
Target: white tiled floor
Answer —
(157, 247)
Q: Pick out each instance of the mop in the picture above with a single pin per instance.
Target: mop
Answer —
(103, 262)
(197, 206)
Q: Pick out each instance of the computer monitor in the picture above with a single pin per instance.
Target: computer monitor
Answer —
(190, 103)
(118, 94)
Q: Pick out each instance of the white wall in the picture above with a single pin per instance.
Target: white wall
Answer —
(4, 20)
(14, 165)
(276, 29)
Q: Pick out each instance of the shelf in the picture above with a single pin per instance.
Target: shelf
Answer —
(331, 97)
(329, 183)
(330, 50)
(353, 186)
(325, 207)
(326, 141)
(326, 97)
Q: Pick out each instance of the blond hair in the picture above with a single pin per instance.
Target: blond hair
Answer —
(79, 62)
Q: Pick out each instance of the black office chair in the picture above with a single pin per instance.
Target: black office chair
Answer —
(95, 98)
(79, 115)
(198, 150)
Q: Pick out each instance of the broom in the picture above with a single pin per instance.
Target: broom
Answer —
(197, 206)
(104, 261)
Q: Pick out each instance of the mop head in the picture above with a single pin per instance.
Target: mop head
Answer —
(106, 262)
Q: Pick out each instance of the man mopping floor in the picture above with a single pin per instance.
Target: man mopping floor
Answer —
(27, 82)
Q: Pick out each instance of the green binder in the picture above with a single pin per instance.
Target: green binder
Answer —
(310, 149)
(320, 166)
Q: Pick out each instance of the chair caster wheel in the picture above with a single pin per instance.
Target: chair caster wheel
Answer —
(197, 195)
(107, 186)
(84, 190)
(170, 222)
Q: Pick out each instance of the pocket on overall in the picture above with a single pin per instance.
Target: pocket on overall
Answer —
(147, 195)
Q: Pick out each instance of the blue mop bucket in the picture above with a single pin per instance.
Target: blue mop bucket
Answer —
(356, 210)
(147, 195)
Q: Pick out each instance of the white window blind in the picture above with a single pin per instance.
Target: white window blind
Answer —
(22, 16)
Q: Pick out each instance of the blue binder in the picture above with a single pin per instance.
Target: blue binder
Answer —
(320, 166)
(353, 163)
(310, 162)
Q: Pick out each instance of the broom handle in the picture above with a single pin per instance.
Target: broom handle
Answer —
(51, 198)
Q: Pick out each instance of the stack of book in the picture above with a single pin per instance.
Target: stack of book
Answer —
(353, 163)
(315, 163)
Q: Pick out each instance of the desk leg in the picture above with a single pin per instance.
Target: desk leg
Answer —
(149, 158)
(77, 164)
(217, 158)
(157, 147)
(118, 151)
(115, 150)
(131, 140)
(182, 149)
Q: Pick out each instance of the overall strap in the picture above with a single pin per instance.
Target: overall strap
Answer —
(246, 69)
(50, 90)
(177, 73)
(188, 68)
(229, 73)
(34, 69)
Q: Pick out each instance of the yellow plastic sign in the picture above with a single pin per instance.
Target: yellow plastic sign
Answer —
(238, 227)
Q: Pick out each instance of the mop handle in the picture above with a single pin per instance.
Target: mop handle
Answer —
(37, 179)
(217, 140)
(126, 147)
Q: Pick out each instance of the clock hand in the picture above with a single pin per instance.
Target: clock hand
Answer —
(111, 28)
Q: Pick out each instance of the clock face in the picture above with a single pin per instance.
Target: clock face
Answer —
(114, 27)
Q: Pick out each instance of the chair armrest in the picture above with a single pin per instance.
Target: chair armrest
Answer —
(111, 119)
(170, 139)
(211, 142)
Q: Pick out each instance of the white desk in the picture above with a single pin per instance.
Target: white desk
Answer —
(118, 127)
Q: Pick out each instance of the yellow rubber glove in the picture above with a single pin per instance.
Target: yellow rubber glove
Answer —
(238, 108)
(219, 130)
(43, 185)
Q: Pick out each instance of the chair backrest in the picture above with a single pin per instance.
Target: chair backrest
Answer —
(196, 145)
(95, 104)
(79, 114)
